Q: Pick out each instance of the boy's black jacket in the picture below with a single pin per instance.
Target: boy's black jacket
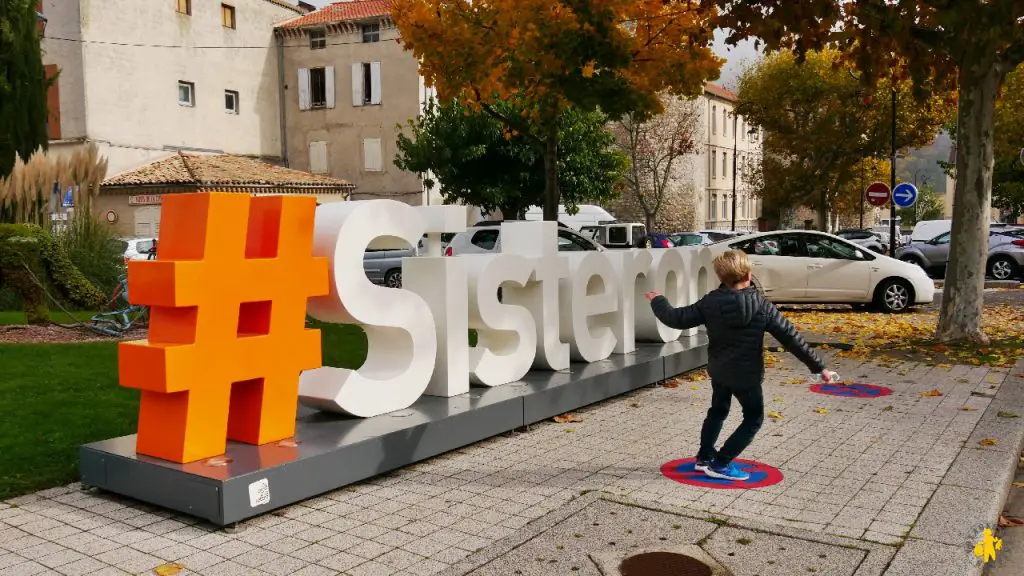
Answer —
(736, 321)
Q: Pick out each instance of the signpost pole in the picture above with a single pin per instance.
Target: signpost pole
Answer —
(892, 181)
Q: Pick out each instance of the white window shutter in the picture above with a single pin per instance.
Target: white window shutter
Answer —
(372, 155)
(318, 157)
(357, 83)
(329, 86)
(304, 100)
(375, 82)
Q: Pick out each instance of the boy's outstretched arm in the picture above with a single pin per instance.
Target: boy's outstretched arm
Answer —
(784, 331)
(678, 318)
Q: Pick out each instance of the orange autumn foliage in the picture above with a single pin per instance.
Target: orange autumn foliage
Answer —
(549, 55)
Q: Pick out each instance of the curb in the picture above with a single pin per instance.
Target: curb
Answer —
(991, 285)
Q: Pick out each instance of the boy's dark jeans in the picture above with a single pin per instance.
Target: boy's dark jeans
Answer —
(751, 401)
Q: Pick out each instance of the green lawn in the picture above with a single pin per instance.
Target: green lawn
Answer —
(55, 397)
(13, 318)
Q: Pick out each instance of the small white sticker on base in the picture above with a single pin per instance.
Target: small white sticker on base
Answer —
(259, 493)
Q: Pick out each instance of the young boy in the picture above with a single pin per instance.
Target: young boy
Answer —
(736, 317)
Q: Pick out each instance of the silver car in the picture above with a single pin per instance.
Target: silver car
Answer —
(866, 238)
(487, 239)
(1005, 254)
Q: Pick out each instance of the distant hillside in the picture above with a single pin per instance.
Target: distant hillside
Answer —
(924, 162)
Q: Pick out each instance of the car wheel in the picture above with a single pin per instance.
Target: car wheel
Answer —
(1002, 268)
(911, 260)
(894, 296)
(393, 279)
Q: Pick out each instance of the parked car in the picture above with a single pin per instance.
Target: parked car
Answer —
(384, 267)
(138, 248)
(690, 239)
(487, 238)
(1005, 254)
(720, 235)
(618, 235)
(809, 267)
(866, 238)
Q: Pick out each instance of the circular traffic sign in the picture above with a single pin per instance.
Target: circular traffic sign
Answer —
(761, 475)
(851, 390)
(877, 194)
(904, 195)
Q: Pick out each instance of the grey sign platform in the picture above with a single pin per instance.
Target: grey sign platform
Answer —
(331, 451)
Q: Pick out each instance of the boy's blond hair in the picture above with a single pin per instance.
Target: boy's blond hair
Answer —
(732, 268)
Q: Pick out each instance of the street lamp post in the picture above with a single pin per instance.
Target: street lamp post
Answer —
(735, 139)
(892, 180)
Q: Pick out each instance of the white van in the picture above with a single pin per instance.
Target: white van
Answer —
(588, 215)
(925, 230)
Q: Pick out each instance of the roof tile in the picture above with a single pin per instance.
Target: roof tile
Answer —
(349, 11)
(219, 170)
(720, 91)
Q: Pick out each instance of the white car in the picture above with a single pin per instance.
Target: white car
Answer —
(138, 248)
(808, 267)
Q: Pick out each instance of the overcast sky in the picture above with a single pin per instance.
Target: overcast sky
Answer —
(737, 57)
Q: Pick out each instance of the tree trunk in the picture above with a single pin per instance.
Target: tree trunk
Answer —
(963, 294)
(649, 220)
(823, 212)
(551, 193)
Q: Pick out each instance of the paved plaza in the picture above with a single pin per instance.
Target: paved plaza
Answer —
(907, 480)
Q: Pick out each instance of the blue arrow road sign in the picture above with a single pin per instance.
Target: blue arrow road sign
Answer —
(904, 195)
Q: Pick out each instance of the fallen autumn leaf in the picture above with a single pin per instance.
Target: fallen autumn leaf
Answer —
(988, 441)
(566, 418)
(1010, 522)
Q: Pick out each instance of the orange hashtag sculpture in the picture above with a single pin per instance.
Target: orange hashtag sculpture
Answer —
(227, 336)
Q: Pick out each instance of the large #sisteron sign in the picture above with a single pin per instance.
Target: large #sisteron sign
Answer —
(228, 296)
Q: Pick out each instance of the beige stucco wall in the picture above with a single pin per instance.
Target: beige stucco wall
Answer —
(345, 126)
(129, 62)
(719, 141)
(127, 215)
(62, 46)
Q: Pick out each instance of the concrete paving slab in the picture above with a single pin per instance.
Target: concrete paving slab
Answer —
(956, 515)
(588, 534)
(920, 557)
(983, 469)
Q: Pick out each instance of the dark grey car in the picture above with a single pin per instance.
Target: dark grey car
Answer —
(1005, 255)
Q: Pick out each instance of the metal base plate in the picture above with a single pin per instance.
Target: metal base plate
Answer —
(331, 451)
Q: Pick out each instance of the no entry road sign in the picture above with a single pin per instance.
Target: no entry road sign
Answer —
(877, 194)
(904, 195)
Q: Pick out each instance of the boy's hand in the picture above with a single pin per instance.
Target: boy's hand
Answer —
(652, 295)
(828, 377)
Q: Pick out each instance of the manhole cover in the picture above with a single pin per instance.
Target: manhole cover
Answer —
(663, 564)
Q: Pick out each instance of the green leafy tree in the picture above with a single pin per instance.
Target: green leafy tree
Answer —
(1008, 175)
(820, 124)
(23, 83)
(939, 45)
(928, 207)
(616, 56)
(477, 161)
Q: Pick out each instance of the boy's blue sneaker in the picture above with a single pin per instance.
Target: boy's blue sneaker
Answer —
(701, 465)
(727, 472)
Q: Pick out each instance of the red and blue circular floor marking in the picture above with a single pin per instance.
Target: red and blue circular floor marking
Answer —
(851, 390)
(761, 475)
